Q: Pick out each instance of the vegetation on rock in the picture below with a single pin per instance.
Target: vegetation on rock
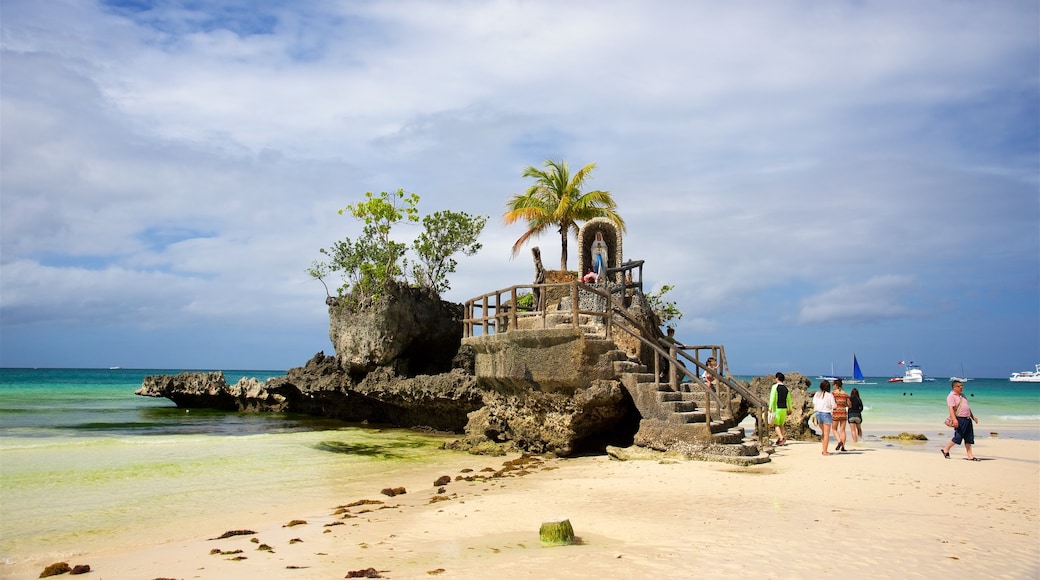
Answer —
(665, 310)
(369, 264)
(556, 199)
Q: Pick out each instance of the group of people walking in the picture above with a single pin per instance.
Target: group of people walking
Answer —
(834, 412)
(837, 410)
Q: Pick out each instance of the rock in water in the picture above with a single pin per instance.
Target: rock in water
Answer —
(556, 533)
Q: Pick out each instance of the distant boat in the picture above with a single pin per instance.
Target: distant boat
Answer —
(1026, 376)
(962, 379)
(114, 368)
(857, 374)
(911, 374)
(831, 377)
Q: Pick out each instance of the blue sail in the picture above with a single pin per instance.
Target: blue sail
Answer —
(856, 373)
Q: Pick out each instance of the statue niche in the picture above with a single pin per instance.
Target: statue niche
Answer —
(599, 245)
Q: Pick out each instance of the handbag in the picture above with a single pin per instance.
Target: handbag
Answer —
(949, 422)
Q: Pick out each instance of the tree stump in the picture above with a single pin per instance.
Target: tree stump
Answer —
(556, 533)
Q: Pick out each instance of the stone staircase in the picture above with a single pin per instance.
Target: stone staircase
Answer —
(681, 413)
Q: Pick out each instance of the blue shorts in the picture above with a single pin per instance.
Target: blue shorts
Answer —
(823, 418)
(965, 431)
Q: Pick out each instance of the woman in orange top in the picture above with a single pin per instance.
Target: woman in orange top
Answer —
(840, 414)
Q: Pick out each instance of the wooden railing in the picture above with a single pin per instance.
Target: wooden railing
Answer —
(497, 315)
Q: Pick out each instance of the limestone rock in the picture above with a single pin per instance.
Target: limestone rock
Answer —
(801, 387)
(210, 390)
(411, 329)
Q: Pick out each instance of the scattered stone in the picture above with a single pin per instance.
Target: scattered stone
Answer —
(55, 569)
(328, 525)
(238, 558)
(290, 567)
(80, 569)
(295, 541)
(255, 540)
(556, 533)
(295, 523)
(438, 498)
(265, 548)
(436, 572)
(219, 552)
(392, 491)
(231, 533)
(441, 490)
(442, 480)
(904, 436)
(366, 573)
(360, 502)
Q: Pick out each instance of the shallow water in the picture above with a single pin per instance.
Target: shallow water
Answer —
(84, 464)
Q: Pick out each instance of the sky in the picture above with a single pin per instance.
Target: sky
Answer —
(815, 178)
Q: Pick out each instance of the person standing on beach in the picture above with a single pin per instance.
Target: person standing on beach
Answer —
(840, 414)
(823, 404)
(961, 413)
(856, 415)
(779, 403)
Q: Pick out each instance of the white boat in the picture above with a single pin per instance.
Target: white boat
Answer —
(911, 374)
(1026, 376)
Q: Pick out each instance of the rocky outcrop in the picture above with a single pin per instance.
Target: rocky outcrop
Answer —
(409, 329)
(322, 388)
(797, 427)
(210, 390)
(542, 422)
(401, 361)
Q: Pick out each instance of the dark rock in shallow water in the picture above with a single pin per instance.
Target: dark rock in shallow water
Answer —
(209, 390)
(80, 569)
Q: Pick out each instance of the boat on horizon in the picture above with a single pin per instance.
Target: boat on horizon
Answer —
(911, 374)
(962, 379)
(1026, 376)
(857, 374)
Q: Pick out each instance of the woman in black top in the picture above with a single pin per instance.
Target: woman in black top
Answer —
(856, 415)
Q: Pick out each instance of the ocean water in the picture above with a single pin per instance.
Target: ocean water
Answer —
(85, 463)
(1005, 409)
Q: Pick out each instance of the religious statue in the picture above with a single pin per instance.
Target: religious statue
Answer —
(599, 256)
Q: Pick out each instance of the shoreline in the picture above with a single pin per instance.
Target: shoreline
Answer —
(880, 506)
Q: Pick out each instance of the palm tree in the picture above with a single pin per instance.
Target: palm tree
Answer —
(556, 199)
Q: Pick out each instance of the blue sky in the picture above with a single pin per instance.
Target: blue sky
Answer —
(815, 178)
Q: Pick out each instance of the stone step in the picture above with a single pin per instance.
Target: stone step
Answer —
(729, 437)
(680, 406)
(664, 396)
(627, 366)
(687, 417)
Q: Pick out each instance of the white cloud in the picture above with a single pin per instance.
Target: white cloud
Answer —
(787, 166)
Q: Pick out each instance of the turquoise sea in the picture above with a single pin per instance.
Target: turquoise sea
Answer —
(85, 463)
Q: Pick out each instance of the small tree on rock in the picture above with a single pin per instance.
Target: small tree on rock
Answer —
(374, 261)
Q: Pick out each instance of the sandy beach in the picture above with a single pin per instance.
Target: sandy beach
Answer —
(882, 509)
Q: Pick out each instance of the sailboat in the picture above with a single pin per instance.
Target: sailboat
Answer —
(961, 378)
(857, 374)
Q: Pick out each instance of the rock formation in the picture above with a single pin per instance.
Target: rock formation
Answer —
(402, 361)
